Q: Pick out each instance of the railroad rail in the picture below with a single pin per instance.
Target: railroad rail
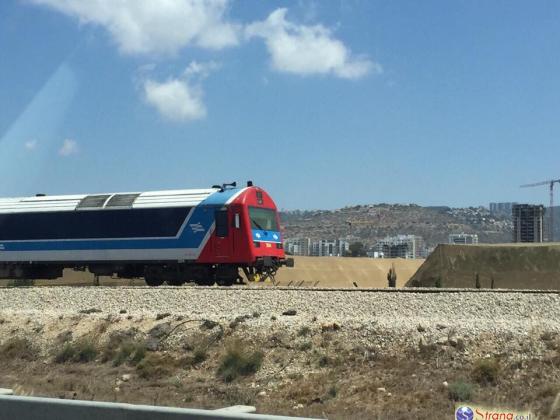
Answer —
(264, 289)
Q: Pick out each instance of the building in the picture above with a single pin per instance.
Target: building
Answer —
(501, 209)
(463, 238)
(528, 222)
(298, 246)
(402, 246)
(328, 248)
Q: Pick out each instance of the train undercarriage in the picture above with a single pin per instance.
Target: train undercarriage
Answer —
(155, 273)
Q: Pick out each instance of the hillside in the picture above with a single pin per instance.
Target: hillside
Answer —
(372, 222)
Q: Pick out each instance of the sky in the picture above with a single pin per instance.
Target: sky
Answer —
(324, 104)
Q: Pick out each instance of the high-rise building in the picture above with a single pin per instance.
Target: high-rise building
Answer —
(298, 246)
(327, 248)
(501, 209)
(402, 246)
(528, 222)
(463, 238)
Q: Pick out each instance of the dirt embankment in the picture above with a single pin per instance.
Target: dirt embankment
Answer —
(313, 353)
(508, 266)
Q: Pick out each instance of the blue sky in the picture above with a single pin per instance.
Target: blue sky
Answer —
(324, 104)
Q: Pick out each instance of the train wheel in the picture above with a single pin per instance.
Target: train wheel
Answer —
(175, 282)
(225, 281)
(205, 282)
(153, 281)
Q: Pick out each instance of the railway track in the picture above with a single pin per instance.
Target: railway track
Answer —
(265, 289)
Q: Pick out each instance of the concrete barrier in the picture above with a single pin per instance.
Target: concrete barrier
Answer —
(31, 408)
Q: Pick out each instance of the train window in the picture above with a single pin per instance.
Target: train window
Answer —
(122, 200)
(93, 201)
(221, 218)
(263, 219)
(236, 221)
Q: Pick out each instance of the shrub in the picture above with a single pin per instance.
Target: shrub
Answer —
(130, 351)
(303, 331)
(139, 353)
(81, 351)
(65, 354)
(90, 311)
(460, 391)
(426, 349)
(486, 371)
(306, 345)
(18, 348)
(85, 351)
(154, 366)
(323, 361)
(208, 324)
(238, 361)
(199, 355)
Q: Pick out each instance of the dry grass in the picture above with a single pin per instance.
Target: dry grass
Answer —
(486, 371)
(155, 366)
(239, 360)
(18, 348)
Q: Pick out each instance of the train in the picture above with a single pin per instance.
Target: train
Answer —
(221, 235)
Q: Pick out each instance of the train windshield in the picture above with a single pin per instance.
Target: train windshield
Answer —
(263, 219)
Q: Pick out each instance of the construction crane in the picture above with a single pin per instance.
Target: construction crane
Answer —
(550, 184)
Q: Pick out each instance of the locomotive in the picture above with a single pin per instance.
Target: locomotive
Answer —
(205, 236)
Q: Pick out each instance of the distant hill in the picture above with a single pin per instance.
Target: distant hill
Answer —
(369, 223)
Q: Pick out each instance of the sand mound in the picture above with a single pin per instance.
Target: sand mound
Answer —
(511, 266)
(343, 272)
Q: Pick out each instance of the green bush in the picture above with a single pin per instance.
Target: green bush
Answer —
(239, 361)
(81, 351)
(460, 391)
(85, 351)
(65, 354)
(130, 351)
(486, 371)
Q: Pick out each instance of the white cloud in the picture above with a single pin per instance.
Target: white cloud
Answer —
(201, 70)
(69, 147)
(180, 98)
(307, 50)
(30, 145)
(148, 26)
(175, 99)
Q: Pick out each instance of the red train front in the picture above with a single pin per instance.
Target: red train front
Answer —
(246, 236)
